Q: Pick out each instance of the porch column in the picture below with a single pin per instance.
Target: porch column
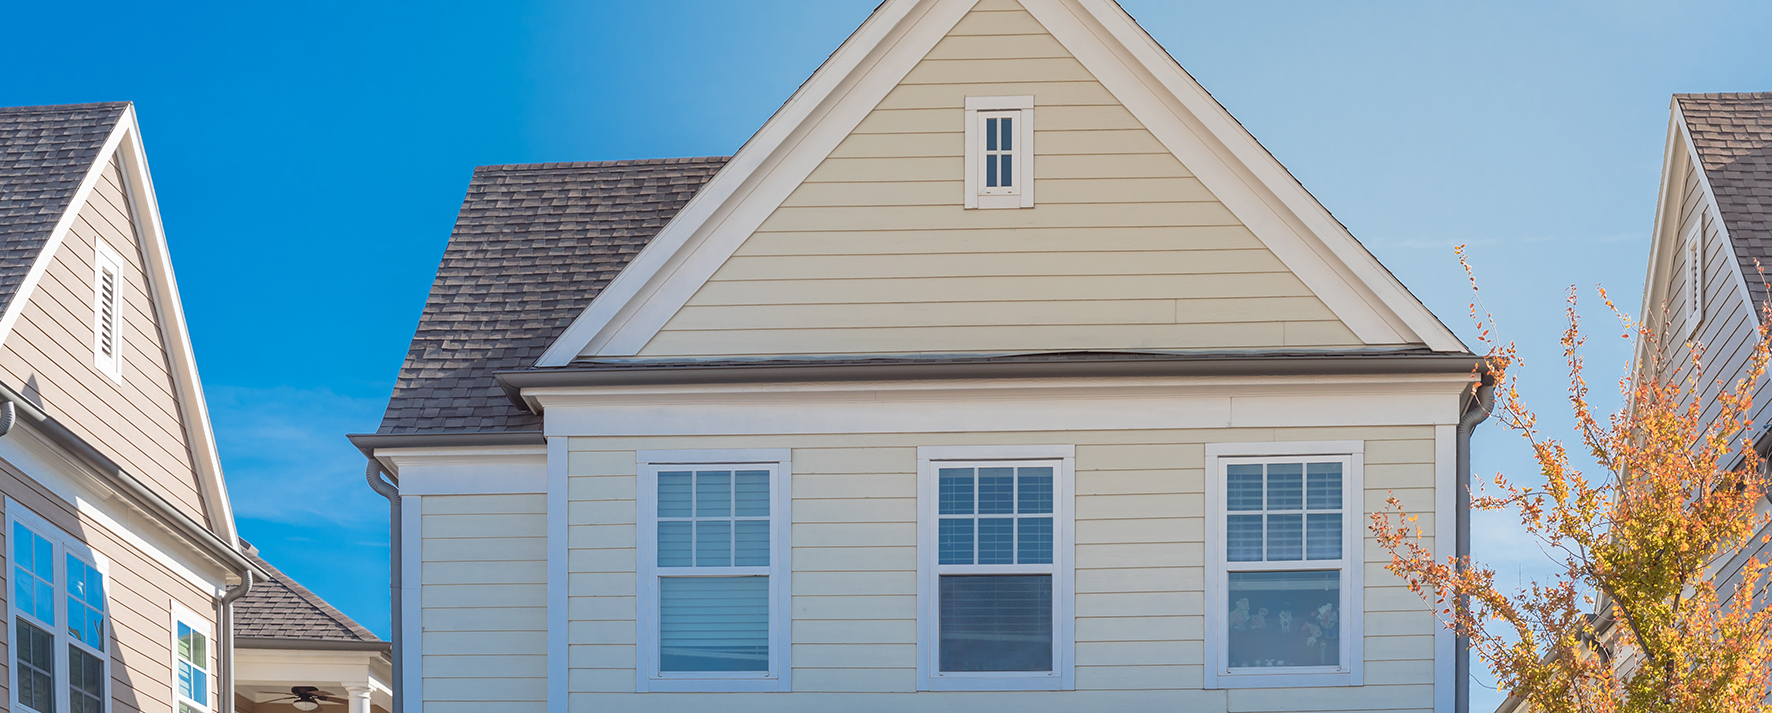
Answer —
(358, 697)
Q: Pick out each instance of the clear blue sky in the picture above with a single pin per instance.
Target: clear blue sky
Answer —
(310, 159)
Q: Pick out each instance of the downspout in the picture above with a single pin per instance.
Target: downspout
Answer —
(224, 614)
(391, 491)
(1475, 413)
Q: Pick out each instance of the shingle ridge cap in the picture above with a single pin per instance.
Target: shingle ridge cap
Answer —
(47, 108)
(1727, 96)
(620, 163)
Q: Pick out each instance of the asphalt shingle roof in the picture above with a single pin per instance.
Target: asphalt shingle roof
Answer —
(283, 609)
(532, 246)
(45, 151)
(1733, 136)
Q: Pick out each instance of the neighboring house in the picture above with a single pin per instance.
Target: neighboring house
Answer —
(119, 537)
(1001, 369)
(290, 639)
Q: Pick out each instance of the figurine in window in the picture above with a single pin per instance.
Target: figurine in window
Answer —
(1240, 615)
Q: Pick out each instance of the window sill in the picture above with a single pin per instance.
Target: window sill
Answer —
(1001, 201)
(1284, 680)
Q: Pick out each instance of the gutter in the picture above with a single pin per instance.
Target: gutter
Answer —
(1475, 412)
(391, 491)
(224, 614)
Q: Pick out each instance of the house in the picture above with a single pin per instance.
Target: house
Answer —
(123, 559)
(289, 639)
(1002, 368)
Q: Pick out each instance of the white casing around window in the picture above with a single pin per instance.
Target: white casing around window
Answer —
(64, 545)
(779, 677)
(1023, 164)
(1694, 246)
(107, 312)
(1352, 655)
(202, 626)
(1062, 677)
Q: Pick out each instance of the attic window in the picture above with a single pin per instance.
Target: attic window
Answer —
(999, 152)
(1695, 276)
(107, 336)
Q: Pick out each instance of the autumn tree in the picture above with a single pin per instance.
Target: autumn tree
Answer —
(1634, 619)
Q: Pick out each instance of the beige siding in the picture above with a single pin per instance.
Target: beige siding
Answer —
(875, 252)
(484, 602)
(49, 354)
(1140, 571)
(140, 590)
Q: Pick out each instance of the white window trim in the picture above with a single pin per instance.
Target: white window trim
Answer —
(779, 677)
(1350, 673)
(65, 544)
(202, 626)
(1063, 674)
(1024, 152)
(1694, 247)
(104, 257)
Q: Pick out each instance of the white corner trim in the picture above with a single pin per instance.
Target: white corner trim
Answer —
(559, 667)
(1445, 535)
(411, 602)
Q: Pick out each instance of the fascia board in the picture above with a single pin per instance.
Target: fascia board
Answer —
(1243, 174)
(188, 385)
(711, 227)
(1654, 281)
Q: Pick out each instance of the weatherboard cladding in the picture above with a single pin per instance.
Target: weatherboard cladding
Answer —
(281, 608)
(1733, 136)
(45, 152)
(532, 246)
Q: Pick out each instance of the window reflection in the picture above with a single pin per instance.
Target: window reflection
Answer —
(1285, 619)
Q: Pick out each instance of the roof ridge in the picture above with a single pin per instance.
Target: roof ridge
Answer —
(549, 165)
(1724, 95)
(60, 107)
(313, 599)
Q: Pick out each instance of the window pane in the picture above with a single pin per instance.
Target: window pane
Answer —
(676, 539)
(1285, 486)
(713, 543)
(996, 540)
(34, 651)
(956, 491)
(44, 561)
(1285, 537)
(86, 618)
(752, 543)
(1034, 540)
(1322, 536)
(1323, 488)
(1285, 619)
(990, 172)
(990, 134)
(751, 493)
(45, 600)
(86, 682)
(713, 494)
(996, 491)
(955, 541)
(1242, 487)
(1035, 494)
(674, 494)
(1008, 170)
(713, 624)
(1242, 542)
(996, 623)
(1007, 125)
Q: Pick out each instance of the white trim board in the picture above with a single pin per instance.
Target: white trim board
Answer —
(1195, 128)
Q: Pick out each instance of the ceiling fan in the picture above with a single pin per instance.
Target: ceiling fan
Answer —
(308, 698)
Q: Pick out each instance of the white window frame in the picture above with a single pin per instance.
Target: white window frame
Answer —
(1022, 194)
(1694, 247)
(930, 459)
(181, 615)
(64, 545)
(104, 258)
(1351, 671)
(779, 676)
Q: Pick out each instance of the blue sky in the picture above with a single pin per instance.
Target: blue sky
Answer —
(310, 159)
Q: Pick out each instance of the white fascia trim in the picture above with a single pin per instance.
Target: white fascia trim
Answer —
(490, 470)
(1654, 287)
(711, 227)
(1243, 174)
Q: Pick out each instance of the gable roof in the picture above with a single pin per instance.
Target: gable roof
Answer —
(45, 154)
(281, 608)
(532, 246)
(1732, 136)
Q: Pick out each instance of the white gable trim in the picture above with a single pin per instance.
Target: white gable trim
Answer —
(1251, 183)
(125, 143)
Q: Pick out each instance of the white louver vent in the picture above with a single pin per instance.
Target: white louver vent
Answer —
(107, 338)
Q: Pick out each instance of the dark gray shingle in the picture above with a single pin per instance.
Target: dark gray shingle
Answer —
(45, 151)
(1733, 135)
(533, 244)
(283, 609)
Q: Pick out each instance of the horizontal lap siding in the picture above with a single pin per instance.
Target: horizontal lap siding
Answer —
(1140, 564)
(874, 253)
(484, 602)
(49, 353)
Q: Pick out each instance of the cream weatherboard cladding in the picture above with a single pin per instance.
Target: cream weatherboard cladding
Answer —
(484, 602)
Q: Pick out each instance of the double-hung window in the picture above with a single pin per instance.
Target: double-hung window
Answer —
(996, 569)
(1000, 152)
(1283, 592)
(59, 619)
(713, 570)
(191, 662)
